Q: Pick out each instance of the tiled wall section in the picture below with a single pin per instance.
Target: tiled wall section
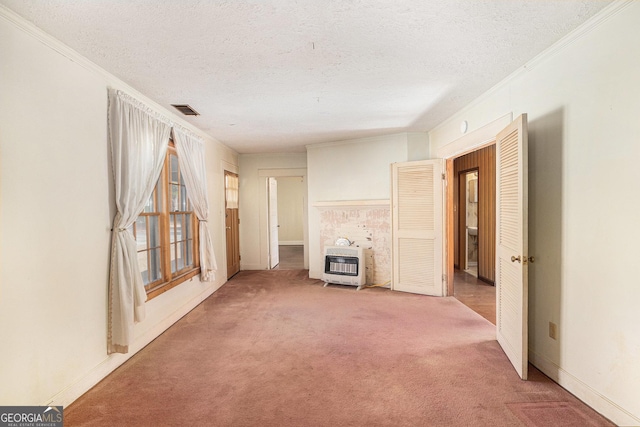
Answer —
(368, 227)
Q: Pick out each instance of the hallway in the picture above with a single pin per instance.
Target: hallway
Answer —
(291, 257)
(475, 294)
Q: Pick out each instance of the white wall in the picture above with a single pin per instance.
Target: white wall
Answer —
(582, 97)
(253, 172)
(349, 170)
(56, 210)
(417, 146)
(291, 203)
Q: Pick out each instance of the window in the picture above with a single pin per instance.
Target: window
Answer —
(166, 232)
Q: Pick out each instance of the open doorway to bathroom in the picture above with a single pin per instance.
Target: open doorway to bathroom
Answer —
(474, 230)
(468, 206)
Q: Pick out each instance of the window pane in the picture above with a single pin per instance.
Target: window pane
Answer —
(141, 233)
(172, 228)
(185, 258)
(153, 203)
(155, 270)
(175, 190)
(179, 227)
(180, 256)
(174, 169)
(189, 246)
(154, 231)
(184, 203)
(142, 263)
(183, 198)
(187, 227)
(173, 258)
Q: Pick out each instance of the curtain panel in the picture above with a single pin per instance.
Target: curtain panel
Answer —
(191, 159)
(138, 138)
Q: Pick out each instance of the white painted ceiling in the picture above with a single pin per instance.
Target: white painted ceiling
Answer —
(275, 75)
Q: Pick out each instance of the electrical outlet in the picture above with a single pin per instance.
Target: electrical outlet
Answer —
(553, 331)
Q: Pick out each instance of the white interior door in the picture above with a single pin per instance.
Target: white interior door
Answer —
(274, 251)
(511, 243)
(417, 214)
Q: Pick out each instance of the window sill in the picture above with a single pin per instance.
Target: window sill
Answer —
(160, 289)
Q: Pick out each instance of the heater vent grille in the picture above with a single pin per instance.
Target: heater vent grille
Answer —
(185, 109)
(344, 266)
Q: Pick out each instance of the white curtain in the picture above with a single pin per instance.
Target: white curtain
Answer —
(191, 159)
(139, 139)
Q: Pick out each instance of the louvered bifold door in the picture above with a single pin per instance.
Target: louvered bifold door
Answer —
(417, 191)
(511, 243)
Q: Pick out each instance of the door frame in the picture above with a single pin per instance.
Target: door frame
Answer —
(479, 138)
(263, 176)
(272, 206)
(462, 212)
(233, 171)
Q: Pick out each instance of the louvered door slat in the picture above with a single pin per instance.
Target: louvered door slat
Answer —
(511, 241)
(417, 227)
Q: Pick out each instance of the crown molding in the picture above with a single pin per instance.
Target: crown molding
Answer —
(595, 21)
(111, 80)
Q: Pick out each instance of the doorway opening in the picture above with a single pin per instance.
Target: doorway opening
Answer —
(472, 220)
(287, 196)
(232, 222)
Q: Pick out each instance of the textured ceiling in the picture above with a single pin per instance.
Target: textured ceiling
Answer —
(275, 75)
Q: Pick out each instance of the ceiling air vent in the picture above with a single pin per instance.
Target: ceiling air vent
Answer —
(185, 109)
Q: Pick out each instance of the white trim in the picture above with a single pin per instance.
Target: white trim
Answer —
(282, 172)
(474, 140)
(263, 212)
(291, 243)
(606, 13)
(352, 203)
(112, 362)
(369, 139)
(230, 167)
(583, 391)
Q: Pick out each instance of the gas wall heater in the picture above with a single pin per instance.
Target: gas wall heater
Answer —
(344, 265)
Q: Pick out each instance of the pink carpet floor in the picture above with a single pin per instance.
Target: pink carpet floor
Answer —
(274, 348)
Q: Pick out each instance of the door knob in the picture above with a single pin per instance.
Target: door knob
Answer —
(228, 228)
(532, 259)
(514, 258)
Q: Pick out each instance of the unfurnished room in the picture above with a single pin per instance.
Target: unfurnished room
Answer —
(322, 213)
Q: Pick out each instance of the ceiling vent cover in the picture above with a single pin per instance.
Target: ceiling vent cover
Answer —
(185, 109)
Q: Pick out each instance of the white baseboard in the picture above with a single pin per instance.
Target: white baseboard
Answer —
(291, 243)
(113, 361)
(313, 274)
(584, 392)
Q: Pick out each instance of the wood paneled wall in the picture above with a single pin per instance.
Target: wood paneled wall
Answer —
(483, 160)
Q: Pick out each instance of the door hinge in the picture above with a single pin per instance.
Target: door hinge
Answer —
(444, 176)
(444, 278)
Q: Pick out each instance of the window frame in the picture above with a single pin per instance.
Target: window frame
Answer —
(168, 279)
